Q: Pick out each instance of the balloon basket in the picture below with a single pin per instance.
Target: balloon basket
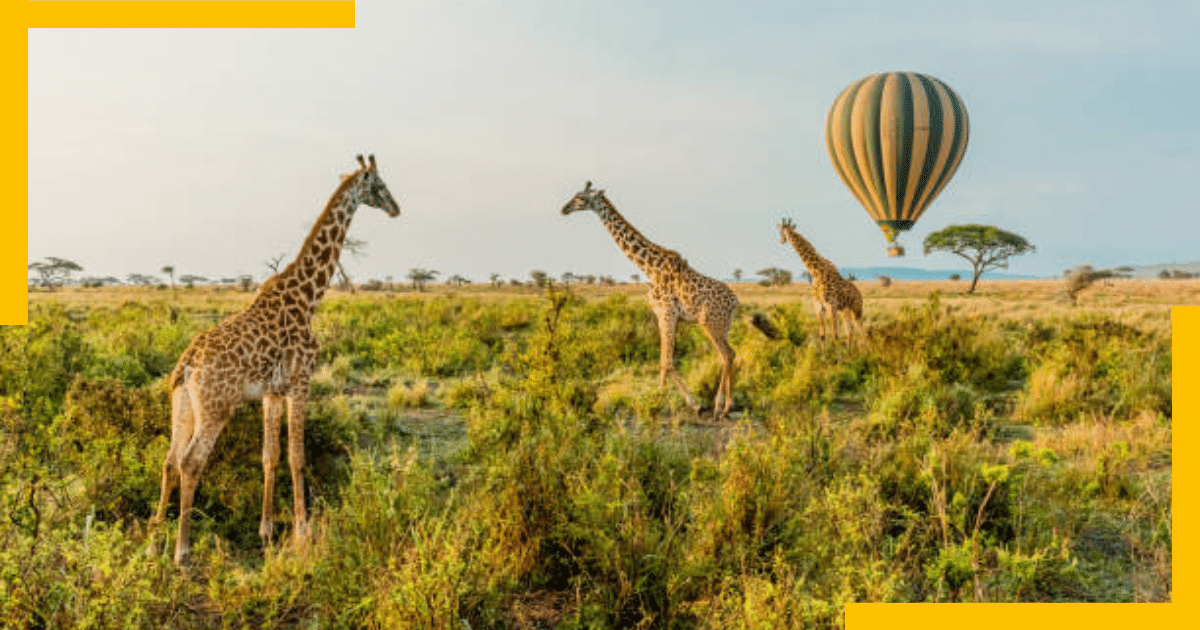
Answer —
(895, 251)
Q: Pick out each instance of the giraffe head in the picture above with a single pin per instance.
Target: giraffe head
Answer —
(785, 226)
(587, 199)
(368, 188)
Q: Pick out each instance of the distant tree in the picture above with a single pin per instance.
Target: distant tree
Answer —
(93, 282)
(568, 278)
(355, 247)
(420, 277)
(737, 275)
(54, 271)
(885, 281)
(141, 279)
(190, 280)
(246, 282)
(457, 280)
(774, 277)
(850, 277)
(1079, 278)
(607, 280)
(1164, 275)
(955, 277)
(495, 279)
(589, 279)
(635, 277)
(273, 263)
(538, 277)
(806, 275)
(986, 247)
(170, 271)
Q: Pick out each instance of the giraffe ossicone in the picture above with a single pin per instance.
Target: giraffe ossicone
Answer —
(268, 351)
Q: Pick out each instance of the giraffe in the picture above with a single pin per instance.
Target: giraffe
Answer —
(833, 295)
(677, 293)
(266, 351)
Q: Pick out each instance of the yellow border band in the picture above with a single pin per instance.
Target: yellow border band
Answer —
(14, 237)
(1185, 405)
(190, 14)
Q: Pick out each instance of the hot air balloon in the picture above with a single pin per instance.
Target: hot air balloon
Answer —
(895, 139)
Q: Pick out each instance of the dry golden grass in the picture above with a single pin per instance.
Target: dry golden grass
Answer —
(1145, 304)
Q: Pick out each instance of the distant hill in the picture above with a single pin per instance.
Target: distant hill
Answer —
(908, 273)
(1152, 271)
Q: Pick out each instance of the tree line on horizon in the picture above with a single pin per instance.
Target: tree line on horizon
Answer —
(985, 247)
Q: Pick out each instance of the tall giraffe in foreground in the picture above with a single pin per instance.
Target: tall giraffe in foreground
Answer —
(677, 293)
(267, 351)
(833, 295)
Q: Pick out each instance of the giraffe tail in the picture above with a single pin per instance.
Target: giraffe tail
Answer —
(178, 374)
(764, 325)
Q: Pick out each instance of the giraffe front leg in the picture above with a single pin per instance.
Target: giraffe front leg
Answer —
(272, 416)
(296, 402)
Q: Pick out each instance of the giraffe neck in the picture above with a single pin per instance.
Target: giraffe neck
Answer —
(304, 281)
(808, 255)
(648, 256)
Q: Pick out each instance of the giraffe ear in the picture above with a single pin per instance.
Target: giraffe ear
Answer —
(371, 159)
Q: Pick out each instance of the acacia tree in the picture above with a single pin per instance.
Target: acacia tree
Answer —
(190, 280)
(54, 271)
(170, 271)
(774, 277)
(420, 277)
(986, 247)
(141, 279)
(539, 277)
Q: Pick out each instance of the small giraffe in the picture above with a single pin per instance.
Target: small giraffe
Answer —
(677, 292)
(267, 351)
(833, 295)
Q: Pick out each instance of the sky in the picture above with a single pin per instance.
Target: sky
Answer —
(213, 151)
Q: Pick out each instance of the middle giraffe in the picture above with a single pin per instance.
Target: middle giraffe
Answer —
(833, 295)
(677, 293)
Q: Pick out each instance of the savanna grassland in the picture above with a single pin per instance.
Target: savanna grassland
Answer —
(504, 458)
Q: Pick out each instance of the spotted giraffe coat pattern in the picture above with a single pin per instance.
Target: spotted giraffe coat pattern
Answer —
(833, 295)
(677, 293)
(267, 351)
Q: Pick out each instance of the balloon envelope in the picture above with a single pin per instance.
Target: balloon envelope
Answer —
(895, 139)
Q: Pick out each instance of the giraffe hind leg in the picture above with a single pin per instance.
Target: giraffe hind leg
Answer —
(724, 396)
(182, 425)
(210, 419)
